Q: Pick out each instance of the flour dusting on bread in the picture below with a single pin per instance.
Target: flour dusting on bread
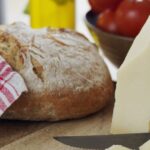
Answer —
(68, 59)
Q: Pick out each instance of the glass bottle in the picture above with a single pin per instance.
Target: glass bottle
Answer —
(53, 13)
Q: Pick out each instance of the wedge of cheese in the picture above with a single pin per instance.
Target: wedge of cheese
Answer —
(132, 107)
(117, 147)
(145, 146)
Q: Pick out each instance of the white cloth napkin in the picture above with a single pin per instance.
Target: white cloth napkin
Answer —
(12, 86)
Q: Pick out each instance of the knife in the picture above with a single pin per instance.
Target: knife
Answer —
(101, 142)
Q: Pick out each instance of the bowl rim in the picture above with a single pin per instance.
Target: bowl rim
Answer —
(91, 25)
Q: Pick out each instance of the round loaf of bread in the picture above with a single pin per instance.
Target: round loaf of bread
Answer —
(65, 76)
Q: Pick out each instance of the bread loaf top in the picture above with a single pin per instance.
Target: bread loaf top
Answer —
(52, 59)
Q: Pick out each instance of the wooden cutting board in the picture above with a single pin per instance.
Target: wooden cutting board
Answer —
(15, 135)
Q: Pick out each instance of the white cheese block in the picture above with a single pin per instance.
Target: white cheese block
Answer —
(117, 147)
(132, 107)
(145, 146)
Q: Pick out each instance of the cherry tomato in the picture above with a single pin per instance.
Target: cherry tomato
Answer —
(106, 21)
(100, 5)
(131, 16)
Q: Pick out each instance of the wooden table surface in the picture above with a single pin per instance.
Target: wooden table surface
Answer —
(15, 135)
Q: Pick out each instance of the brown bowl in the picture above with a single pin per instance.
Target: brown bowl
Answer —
(115, 47)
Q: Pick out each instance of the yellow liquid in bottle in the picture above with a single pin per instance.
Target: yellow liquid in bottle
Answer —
(53, 13)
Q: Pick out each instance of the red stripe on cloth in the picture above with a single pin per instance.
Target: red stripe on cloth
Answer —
(14, 89)
(12, 85)
(7, 93)
(2, 82)
(6, 72)
(3, 106)
(2, 64)
(12, 74)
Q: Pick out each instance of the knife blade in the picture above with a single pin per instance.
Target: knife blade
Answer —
(102, 142)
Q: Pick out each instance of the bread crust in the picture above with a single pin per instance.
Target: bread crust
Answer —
(72, 84)
(62, 106)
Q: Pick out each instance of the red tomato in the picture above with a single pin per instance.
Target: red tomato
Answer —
(100, 5)
(106, 21)
(131, 16)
